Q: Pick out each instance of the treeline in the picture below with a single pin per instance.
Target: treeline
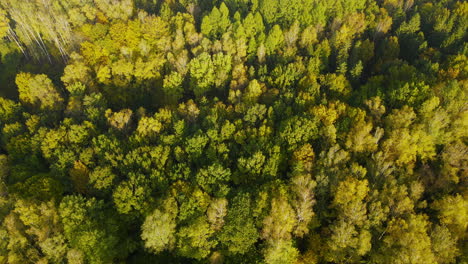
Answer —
(239, 131)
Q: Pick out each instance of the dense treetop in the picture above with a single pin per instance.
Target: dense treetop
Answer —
(237, 131)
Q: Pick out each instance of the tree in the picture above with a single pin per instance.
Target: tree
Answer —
(359, 138)
(275, 40)
(77, 71)
(17, 242)
(158, 229)
(90, 229)
(194, 240)
(216, 23)
(9, 111)
(298, 130)
(121, 121)
(38, 92)
(348, 200)
(79, 174)
(102, 178)
(281, 251)
(453, 213)
(216, 212)
(251, 166)
(3, 24)
(337, 84)
(239, 233)
(214, 179)
(195, 145)
(40, 27)
(444, 245)
(172, 87)
(222, 69)
(238, 131)
(347, 242)
(202, 74)
(35, 233)
(406, 241)
(45, 188)
(116, 10)
(454, 158)
(349, 239)
(280, 222)
(131, 196)
(302, 186)
(253, 91)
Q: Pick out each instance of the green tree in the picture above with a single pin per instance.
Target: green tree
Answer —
(38, 92)
(195, 239)
(132, 195)
(102, 178)
(214, 179)
(274, 40)
(9, 111)
(158, 229)
(91, 229)
(239, 233)
(172, 87)
(216, 22)
(202, 74)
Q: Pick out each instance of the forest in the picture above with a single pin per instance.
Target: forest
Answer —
(233, 132)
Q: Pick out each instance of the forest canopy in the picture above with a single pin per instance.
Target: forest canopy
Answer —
(237, 131)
